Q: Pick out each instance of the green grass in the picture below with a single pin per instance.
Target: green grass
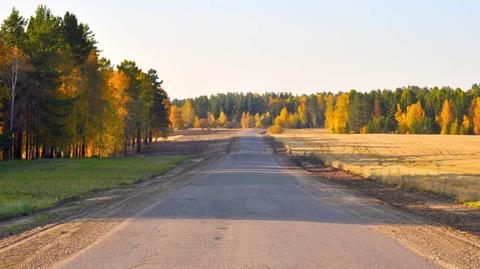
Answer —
(27, 186)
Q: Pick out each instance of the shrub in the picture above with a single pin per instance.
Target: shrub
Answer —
(275, 129)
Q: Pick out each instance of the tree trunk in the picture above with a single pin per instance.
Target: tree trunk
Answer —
(125, 134)
(145, 141)
(18, 144)
(83, 150)
(139, 139)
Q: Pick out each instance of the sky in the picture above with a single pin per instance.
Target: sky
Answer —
(206, 47)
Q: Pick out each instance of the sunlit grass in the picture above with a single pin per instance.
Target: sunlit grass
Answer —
(27, 186)
(473, 204)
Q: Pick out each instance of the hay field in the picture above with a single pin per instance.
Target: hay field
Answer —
(439, 163)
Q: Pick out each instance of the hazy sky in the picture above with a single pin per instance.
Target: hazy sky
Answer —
(205, 47)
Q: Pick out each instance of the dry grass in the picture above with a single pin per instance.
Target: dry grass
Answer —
(439, 163)
(274, 129)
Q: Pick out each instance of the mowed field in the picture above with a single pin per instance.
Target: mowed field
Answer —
(28, 186)
(439, 163)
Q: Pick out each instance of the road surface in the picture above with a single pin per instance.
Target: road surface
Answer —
(245, 211)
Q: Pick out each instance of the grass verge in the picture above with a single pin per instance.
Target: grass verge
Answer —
(474, 204)
(29, 186)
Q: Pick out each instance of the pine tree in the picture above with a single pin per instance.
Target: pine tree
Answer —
(360, 112)
(159, 124)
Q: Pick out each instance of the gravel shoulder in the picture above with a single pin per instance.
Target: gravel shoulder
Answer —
(432, 226)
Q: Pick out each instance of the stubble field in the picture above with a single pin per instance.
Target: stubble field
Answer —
(438, 163)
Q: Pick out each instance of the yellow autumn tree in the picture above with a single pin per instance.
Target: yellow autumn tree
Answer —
(401, 119)
(211, 119)
(412, 120)
(116, 117)
(415, 117)
(302, 112)
(329, 112)
(282, 119)
(258, 121)
(196, 122)
(466, 125)
(175, 117)
(222, 120)
(188, 114)
(476, 116)
(445, 117)
(245, 120)
(342, 110)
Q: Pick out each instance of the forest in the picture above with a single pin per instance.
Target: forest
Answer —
(407, 110)
(59, 98)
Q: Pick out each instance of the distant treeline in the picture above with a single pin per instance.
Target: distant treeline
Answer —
(59, 99)
(410, 109)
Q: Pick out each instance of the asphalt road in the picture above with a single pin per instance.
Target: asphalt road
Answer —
(245, 211)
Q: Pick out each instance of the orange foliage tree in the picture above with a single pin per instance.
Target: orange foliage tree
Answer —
(175, 118)
(476, 116)
(413, 120)
(329, 112)
(188, 114)
(341, 113)
(445, 117)
(222, 120)
(282, 119)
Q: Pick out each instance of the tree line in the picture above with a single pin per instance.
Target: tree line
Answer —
(59, 98)
(412, 110)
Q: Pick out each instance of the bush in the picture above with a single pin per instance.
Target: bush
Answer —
(275, 129)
